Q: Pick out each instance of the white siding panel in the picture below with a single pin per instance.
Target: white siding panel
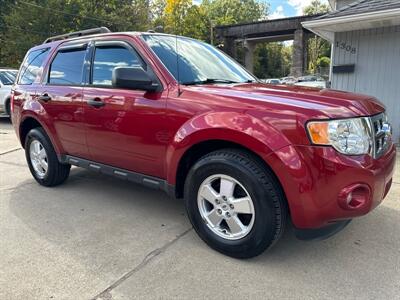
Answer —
(377, 67)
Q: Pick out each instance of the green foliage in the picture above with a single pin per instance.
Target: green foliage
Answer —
(224, 12)
(272, 60)
(323, 62)
(28, 23)
(316, 46)
(316, 7)
(25, 23)
(184, 17)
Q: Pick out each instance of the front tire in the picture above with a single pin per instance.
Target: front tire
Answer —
(42, 159)
(234, 203)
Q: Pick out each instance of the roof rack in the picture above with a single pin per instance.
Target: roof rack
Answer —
(77, 33)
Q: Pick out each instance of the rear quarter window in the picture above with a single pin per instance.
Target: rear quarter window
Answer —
(32, 66)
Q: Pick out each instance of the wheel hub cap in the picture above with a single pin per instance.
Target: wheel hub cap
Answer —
(38, 158)
(226, 207)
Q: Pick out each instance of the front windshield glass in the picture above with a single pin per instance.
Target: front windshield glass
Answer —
(198, 62)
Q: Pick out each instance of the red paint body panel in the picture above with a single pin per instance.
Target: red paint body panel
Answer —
(129, 131)
(150, 132)
(312, 177)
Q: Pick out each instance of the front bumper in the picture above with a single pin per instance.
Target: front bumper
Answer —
(314, 178)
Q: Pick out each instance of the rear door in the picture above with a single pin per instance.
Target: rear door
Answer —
(125, 127)
(61, 96)
(28, 79)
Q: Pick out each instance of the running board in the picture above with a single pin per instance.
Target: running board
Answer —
(149, 181)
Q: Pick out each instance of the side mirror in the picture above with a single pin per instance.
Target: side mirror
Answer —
(133, 78)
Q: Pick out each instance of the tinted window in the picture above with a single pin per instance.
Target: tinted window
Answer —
(106, 59)
(67, 67)
(7, 77)
(32, 66)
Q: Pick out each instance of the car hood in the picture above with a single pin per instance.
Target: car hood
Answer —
(313, 102)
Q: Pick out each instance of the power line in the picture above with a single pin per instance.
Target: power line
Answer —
(31, 31)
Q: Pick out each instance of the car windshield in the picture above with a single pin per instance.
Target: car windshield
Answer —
(199, 63)
(7, 77)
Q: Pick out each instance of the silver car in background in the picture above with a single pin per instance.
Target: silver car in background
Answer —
(7, 79)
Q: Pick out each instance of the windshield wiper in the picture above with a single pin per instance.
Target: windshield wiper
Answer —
(209, 80)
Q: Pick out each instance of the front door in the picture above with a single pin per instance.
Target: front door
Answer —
(124, 127)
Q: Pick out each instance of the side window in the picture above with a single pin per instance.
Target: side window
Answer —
(108, 58)
(67, 67)
(32, 66)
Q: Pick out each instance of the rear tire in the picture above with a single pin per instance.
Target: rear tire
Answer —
(42, 159)
(250, 180)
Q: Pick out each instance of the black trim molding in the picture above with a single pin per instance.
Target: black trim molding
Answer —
(320, 233)
(149, 181)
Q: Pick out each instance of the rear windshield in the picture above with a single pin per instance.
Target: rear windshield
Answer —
(32, 66)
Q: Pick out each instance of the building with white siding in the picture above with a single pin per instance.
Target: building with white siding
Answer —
(365, 38)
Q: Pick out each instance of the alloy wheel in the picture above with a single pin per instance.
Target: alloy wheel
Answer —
(226, 207)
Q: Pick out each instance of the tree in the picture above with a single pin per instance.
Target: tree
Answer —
(197, 20)
(272, 60)
(224, 12)
(157, 14)
(316, 46)
(176, 11)
(316, 7)
(30, 23)
(5, 6)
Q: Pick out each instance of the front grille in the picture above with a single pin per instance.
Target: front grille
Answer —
(381, 138)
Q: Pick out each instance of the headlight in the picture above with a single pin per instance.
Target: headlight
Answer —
(348, 136)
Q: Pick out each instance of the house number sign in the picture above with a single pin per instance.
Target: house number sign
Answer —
(346, 47)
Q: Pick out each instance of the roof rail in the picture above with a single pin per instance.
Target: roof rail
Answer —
(77, 33)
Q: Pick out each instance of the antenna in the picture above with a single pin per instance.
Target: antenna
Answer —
(177, 58)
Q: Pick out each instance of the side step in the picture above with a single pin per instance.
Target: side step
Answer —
(149, 181)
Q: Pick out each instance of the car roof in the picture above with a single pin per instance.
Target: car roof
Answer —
(110, 34)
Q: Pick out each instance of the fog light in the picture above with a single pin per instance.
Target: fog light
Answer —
(355, 196)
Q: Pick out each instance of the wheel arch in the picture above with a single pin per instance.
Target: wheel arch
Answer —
(28, 123)
(200, 149)
(220, 129)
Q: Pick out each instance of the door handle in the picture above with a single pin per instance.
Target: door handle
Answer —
(96, 102)
(45, 97)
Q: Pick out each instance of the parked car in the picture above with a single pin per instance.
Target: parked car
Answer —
(244, 157)
(309, 78)
(273, 81)
(7, 78)
(317, 84)
(288, 80)
(312, 81)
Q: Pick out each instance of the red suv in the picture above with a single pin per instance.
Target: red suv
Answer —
(177, 114)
